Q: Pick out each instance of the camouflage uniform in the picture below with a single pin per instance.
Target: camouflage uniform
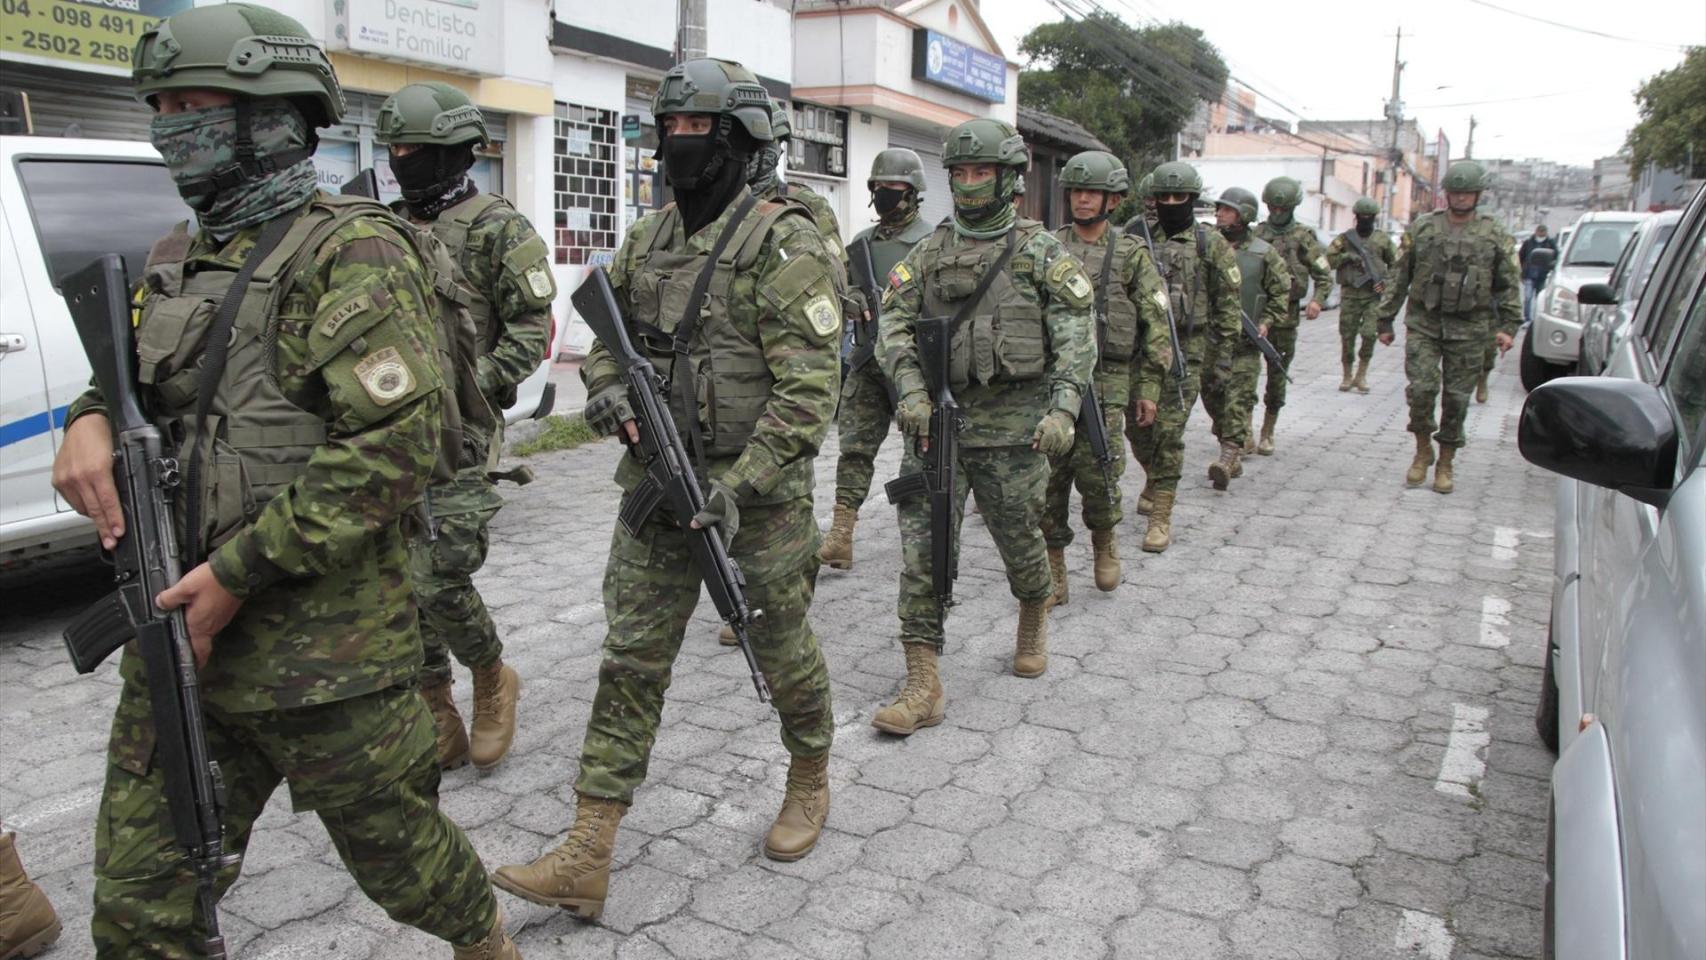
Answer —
(1358, 303)
(1303, 259)
(1229, 378)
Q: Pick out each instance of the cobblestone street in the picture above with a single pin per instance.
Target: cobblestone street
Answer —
(1305, 731)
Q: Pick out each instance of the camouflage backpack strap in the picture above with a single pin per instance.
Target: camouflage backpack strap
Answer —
(744, 249)
(453, 230)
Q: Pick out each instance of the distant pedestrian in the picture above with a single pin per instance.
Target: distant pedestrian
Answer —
(1535, 270)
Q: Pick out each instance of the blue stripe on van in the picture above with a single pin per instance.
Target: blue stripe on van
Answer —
(28, 427)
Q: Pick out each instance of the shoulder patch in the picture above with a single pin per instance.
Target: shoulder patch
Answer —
(1233, 275)
(385, 376)
(899, 275)
(823, 316)
(539, 282)
(1321, 264)
(349, 308)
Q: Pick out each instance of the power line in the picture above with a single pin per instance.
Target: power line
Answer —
(1587, 30)
(1477, 103)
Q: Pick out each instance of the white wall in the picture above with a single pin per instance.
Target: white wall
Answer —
(649, 22)
(526, 27)
(757, 35)
(865, 49)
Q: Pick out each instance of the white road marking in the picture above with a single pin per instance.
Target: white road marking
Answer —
(1495, 616)
(1462, 767)
(1423, 935)
(1505, 540)
(55, 808)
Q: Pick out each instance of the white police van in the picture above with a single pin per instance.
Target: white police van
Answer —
(64, 202)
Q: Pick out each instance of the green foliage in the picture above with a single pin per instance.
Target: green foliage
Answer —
(559, 433)
(1672, 130)
(1133, 88)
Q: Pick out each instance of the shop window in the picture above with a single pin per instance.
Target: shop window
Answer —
(586, 168)
(819, 144)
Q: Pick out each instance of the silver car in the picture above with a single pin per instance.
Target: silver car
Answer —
(1624, 688)
(1554, 338)
(1602, 325)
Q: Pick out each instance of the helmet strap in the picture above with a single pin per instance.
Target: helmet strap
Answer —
(1102, 214)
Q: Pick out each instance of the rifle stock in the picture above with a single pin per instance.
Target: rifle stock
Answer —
(363, 184)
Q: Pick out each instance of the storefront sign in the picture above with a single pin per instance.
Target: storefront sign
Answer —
(466, 36)
(630, 126)
(94, 35)
(950, 63)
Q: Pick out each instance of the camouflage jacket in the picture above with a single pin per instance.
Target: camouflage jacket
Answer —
(822, 215)
(1135, 328)
(1029, 347)
(1354, 280)
(1270, 286)
(1205, 291)
(782, 311)
(328, 611)
(1465, 279)
(1303, 257)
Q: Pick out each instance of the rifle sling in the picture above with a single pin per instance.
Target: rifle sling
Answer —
(684, 386)
(1102, 294)
(213, 369)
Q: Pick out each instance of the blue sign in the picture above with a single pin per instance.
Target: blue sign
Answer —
(958, 66)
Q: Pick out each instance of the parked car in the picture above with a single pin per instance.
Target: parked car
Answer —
(64, 202)
(1623, 695)
(1554, 338)
(1601, 325)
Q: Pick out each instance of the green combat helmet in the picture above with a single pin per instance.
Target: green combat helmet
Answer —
(899, 165)
(1282, 192)
(1175, 176)
(722, 88)
(986, 141)
(1240, 200)
(1146, 186)
(430, 112)
(1365, 207)
(241, 49)
(1095, 170)
(1465, 176)
(781, 128)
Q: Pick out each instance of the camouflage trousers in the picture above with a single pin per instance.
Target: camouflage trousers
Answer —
(1357, 320)
(1284, 340)
(454, 619)
(864, 422)
(651, 587)
(1101, 506)
(1009, 484)
(1446, 370)
(367, 766)
(1491, 359)
(1160, 447)
(1229, 390)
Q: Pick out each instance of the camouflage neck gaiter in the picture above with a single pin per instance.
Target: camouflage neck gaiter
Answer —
(761, 173)
(984, 211)
(199, 144)
(897, 222)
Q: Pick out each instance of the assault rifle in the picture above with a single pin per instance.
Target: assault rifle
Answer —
(1254, 333)
(1090, 406)
(364, 184)
(1373, 276)
(1178, 370)
(145, 562)
(669, 476)
(936, 479)
(864, 276)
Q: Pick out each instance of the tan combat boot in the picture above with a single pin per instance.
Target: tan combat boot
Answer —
(1250, 435)
(921, 703)
(1223, 471)
(1057, 573)
(1481, 389)
(496, 945)
(1424, 459)
(452, 735)
(1030, 645)
(1442, 473)
(726, 636)
(496, 688)
(1346, 381)
(1146, 499)
(28, 924)
(805, 806)
(1361, 381)
(1265, 446)
(1160, 532)
(837, 549)
(1107, 546)
(576, 875)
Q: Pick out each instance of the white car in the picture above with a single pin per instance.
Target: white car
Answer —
(1554, 339)
(64, 202)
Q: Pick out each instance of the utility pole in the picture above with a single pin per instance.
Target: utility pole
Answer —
(1395, 111)
(1469, 148)
(689, 30)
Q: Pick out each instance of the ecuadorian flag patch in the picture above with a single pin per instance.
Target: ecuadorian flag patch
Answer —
(899, 275)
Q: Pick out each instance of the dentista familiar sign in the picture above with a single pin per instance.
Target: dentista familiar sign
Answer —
(465, 36)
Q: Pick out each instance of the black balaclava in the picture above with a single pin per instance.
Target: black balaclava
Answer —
(434, 177)
(706, 170)
(888, 201)
(1365, 226)
(1175, 217)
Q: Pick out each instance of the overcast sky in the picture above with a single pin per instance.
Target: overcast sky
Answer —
(1332, 60)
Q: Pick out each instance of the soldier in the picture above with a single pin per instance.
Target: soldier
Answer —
(765, 343)
(1463, 267)
(1350, 253)
(1130, 327)
(28, 924)
(767, 184)
(1144, 223)
(1308, 266)
(430, 129)
(1231, 368)
(1200, 272)
(331, 402)
(1022, 354)
(897, 185)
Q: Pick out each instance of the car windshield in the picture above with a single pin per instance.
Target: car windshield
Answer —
(78, 216)
(1598, 244)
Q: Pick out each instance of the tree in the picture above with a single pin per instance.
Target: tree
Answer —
(1672, 131)
(1135, 89)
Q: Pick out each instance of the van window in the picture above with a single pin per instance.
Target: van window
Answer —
(85, 208)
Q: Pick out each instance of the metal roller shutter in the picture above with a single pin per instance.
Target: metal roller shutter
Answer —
(938, 199)
(68, 104)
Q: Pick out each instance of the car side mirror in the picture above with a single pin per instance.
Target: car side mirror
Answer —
(1596, 295)
(1607, 431)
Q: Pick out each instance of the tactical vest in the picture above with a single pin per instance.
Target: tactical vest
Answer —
(1253, 268)
(257, 441)
(733, 378)
(1117, 340)
(1184, 271)
(1004, 338)
(1454, 266)
(1351, 273)
(886, 253)
(1289, 243)
(451, 228)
